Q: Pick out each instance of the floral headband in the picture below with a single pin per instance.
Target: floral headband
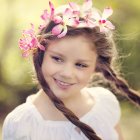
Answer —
(65, 16)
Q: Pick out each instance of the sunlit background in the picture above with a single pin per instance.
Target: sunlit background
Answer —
(16, 73)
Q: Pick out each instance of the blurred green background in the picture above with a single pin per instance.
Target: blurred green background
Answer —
(16, 72)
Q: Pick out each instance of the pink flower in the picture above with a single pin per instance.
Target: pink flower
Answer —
(73, 15)
(102, 21)
(67, 20)
(85, 12)
(29, 43)
(46, 16)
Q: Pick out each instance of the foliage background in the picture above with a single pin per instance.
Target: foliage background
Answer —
(15, 72)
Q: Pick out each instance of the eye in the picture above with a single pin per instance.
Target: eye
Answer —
(80, 65)
(56, 59)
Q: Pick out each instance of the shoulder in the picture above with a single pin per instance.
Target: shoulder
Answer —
(20, 112)
(107, 102)
(17, 121)
(102, 94)
(99, 91)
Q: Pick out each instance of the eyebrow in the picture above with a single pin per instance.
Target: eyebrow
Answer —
(80, 60)
(57, 53)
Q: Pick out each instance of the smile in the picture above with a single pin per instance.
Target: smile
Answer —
(62, 85)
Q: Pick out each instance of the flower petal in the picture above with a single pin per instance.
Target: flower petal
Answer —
(103, 29)
(29, 32)
(25, 54)
(87, 5)
(68, 12)
(91, 23)
(45, 15)
(63, 33)
(57, 29)
(57, 19)
(33, 43)
(95, 15)
(73, 22)
(41, 47)
(109, 25)
(23, 45)
(74, 6)
(52, 9)
(107, 13)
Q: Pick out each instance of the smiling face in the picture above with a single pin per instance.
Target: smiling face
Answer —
(68, 65)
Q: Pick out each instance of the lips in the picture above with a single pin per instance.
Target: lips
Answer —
(62, 85)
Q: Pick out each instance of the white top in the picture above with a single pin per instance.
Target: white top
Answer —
(26, 123)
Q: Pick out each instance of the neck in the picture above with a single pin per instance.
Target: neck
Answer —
(69, 102)
(79, 105)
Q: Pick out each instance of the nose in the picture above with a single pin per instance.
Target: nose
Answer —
(67, 71)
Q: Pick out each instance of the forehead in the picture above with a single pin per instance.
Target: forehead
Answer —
(75, 45)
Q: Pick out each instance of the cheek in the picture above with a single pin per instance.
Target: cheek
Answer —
(49, 67)
(85, 76)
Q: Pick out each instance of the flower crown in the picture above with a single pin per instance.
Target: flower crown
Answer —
(65, 16)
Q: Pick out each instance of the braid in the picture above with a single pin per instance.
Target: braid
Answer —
(107, 56)
(87, 130)
(120, 83)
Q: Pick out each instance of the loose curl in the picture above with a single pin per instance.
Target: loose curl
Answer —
(106, 52)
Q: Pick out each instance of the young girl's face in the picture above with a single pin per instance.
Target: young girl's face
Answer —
(68, 65)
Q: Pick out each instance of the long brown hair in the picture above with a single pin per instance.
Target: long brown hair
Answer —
(106, 52)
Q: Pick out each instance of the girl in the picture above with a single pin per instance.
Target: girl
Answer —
(74, 43)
